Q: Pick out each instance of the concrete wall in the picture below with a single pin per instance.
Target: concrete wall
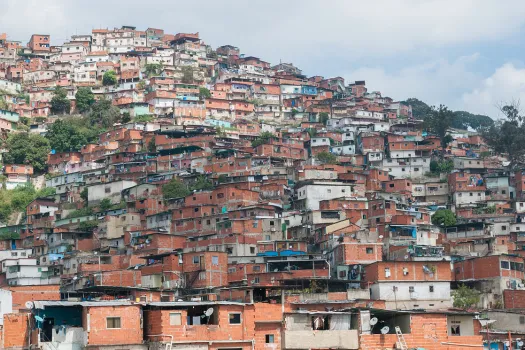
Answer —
(421, 297)
(309, 339)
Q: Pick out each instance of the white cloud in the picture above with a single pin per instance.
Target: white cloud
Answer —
(292, 30)
(505, 85)
(434, 82)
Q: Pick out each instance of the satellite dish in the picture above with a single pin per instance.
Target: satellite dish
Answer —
(385, 330)
(29, 305)
(209, 312)
(520, 343)
(380, 236)
(373, 321)
(406, 257)
(75, 278)
(39, 319)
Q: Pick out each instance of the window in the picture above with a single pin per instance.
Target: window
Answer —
(252, 250)
(505, 265)
(235, 318)
(522, 319)
(255, 224)
(215, 260)
(112, 322)
(454, 328)
(431, 289)
(256, 268)
(195, 259)
(504, 228)
(387, 272)
(269, 338)
(411, 289)
(370, 250)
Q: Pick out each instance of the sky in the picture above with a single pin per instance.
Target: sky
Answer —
(466, 54)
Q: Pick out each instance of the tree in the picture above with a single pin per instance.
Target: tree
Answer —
(105, 204)
(420, 110)
(84, 98)
(64, 137)
(263, 139)
(507, 136)
(465, 297)
(444, 217)
(152, 69)
(109, 78)
(144, 118)
(204, 93)
(103, 114)
(59, 102)
(84, 194)
(187, 75)
(202, 184)
(175, 189)
(461, 120)
(438, 123)
(323, 118)
(326, 158)
(443, 166)
(27, 148)
(152, 146)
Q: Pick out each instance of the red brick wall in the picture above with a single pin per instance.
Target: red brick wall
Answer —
(514, 299)
(376, 272)
(22, 294)
(15, 332)
(428, 331)
(129, 332)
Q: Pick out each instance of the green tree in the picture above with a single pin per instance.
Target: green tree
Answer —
(443, 166)
(145, 118)
(105, 204)
(175, 189)
(420, 110)
(103, 114)
(85, 98)
(187, 75)
(323, 118)
(438, 123)
(204, 93)
(109, 78)
(326, 158)
(46, 192)
(59, 102)
(27, 148)
(465, 297)
(507, 136)
(152, 146)
(444, 217)
(63, 136)
(84, 194)
(152, 69)
(263, 139)
(202, 184)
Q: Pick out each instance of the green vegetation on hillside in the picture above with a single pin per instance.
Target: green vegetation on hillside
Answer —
(16, 200)
(27, 148)
(460, 120)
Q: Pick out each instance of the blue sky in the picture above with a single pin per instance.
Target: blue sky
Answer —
(467, 54)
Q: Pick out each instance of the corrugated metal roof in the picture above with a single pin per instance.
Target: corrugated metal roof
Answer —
(44, 304)
(196, 303)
